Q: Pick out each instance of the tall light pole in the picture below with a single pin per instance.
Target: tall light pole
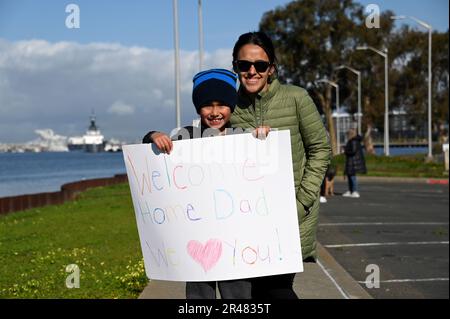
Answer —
(177, 63)
(386, 93)
(200, 36)
(338, 128)
(358, 73)
(430, 79)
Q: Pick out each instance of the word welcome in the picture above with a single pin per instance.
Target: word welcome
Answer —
(184, 177)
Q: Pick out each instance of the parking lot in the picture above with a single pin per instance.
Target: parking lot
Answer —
(400, 229)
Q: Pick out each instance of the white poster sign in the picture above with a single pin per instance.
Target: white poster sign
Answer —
(216, 208)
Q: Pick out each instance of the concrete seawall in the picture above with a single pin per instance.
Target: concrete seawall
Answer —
(68, 192)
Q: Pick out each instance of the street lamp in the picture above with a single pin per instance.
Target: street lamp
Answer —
(386, 93)
(358, 73)
(177, 62)
(336, 86)
(200, 35)
(430, 32)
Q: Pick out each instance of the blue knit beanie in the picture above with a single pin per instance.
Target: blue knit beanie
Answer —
(215, 85)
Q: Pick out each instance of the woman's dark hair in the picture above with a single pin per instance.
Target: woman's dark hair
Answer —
(258, 38)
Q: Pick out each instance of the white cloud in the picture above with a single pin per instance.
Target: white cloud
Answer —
(120, 108)
(157, 94)
(169, 102)
(57, 85)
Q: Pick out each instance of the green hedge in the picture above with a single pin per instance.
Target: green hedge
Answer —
(397, 166)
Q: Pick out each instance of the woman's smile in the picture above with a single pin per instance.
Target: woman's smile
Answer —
(253, 81)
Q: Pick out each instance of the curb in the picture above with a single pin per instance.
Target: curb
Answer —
(411, 180)
(438, 181)
(344, 282)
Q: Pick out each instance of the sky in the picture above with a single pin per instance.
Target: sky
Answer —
(120, 61)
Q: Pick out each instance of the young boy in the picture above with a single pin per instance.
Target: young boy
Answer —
(214, 96)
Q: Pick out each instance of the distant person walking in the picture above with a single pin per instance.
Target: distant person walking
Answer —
(354, 162)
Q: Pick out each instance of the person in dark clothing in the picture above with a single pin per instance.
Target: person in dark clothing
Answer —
(354, 163)
(323, 198)
(327, 187)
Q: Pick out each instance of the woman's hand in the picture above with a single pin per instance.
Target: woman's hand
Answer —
(261, 132)
(162, 142)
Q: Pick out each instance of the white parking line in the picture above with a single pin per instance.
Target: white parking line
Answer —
(386, 224)
(389, 244)
(339, 288)
(409, 280)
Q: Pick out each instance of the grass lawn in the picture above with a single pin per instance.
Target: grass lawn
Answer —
(397, 166)
(97, 232)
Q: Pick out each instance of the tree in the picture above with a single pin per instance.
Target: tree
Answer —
(411, 73)
(440, 83)
(313, 37)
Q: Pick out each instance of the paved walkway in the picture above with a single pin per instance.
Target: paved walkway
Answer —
(325, 279)
(401, 229)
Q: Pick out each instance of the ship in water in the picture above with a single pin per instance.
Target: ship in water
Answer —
(92, 141)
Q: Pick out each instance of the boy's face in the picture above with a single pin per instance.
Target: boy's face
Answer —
(215, 115)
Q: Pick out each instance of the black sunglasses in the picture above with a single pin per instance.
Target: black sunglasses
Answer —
(244, 66)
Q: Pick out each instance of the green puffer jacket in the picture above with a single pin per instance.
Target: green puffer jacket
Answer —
(290, 107)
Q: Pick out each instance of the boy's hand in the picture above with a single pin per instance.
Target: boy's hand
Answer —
(261, 132)
(163, 142)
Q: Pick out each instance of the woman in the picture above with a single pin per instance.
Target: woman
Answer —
(264, 102)
(354, 162)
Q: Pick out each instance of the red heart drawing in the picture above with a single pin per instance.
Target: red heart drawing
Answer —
(206, 255)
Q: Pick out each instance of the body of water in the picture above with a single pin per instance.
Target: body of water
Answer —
(29, 173)
(396, 151)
